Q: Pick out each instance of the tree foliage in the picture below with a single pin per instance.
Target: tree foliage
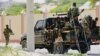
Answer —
(63, 2)
(15, 9)
(61, 8)
(92, 2)
(64, 5)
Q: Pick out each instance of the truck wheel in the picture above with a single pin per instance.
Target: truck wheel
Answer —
(66, 47)
(84, 48)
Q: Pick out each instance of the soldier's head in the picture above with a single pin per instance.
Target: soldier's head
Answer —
(74, 4)
(7, 26)
(96, 19)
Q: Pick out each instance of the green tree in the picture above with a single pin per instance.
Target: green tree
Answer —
(64, 5)
(61, 8)
(63, 2)
(92, 3)
(15, 9)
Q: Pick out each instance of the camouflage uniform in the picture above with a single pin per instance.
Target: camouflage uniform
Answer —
(73, 12)
(7, 32)
(58, 45)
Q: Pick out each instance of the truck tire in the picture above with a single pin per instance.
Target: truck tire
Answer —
(84, 48)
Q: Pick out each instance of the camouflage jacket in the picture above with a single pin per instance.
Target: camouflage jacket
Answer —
(73, 12)
(7, 32)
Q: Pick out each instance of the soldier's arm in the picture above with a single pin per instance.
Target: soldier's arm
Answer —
(10, 31)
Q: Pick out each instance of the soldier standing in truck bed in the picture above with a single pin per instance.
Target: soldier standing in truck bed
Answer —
(7, 32)
(73, 14)
(94, 28)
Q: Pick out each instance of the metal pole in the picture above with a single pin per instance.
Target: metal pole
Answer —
(22, 23)
(3, 14)
(10, 23)
(2, 27)
(30, 27)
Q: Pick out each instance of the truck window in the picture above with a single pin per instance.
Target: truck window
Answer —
(40, 25)
(49, 22)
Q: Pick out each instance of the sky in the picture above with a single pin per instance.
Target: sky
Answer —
(36, 1)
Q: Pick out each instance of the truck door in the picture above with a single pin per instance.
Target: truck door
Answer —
(39, 29)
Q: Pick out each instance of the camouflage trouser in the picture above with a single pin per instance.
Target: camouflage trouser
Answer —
(58, 48)
(7, 39)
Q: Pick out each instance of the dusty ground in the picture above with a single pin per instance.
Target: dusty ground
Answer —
(14, 49)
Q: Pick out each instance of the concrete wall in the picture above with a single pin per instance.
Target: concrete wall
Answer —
(98, 13)
(18, 25)
(15, 24)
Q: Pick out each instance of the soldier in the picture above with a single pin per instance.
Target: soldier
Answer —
(74, 11)
(73, 14)
(58, 45)
(94, 28)
(59, 23)
(58, 42)
(94, 23)
(7, 32)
